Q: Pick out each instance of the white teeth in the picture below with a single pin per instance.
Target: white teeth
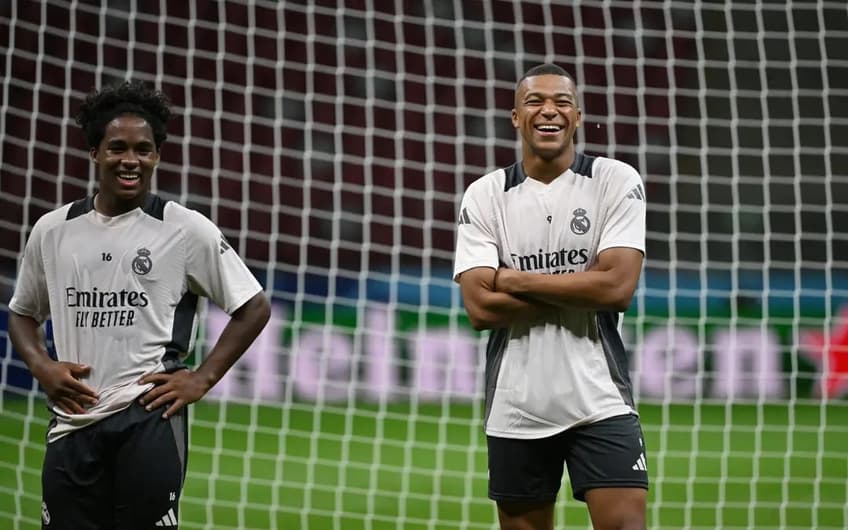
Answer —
(548, 128)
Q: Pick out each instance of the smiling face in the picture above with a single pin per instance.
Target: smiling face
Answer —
(546, 115)
(125, 160)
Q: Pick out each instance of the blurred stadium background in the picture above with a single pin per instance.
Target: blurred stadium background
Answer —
(331, 141)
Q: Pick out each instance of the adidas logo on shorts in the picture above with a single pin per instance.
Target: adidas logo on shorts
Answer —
(641, 464)
(169, 519)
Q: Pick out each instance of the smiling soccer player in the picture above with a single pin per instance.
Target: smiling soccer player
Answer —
(549, 252)
(120, 274)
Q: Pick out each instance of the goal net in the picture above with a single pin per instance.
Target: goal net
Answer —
(331, 141)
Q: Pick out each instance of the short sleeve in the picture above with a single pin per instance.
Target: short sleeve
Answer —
(214, 268)
(31, 295)
(625, 225)
(476, 244)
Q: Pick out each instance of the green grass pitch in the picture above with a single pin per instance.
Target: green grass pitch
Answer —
(417, 467)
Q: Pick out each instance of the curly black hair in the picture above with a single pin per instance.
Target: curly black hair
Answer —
(124, 97)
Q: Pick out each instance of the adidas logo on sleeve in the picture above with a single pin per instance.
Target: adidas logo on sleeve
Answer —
(636, 193)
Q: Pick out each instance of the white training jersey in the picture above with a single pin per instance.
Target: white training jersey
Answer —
(570, 367)
(122, 292)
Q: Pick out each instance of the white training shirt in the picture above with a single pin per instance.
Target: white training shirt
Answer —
(570, 368)
(122, 292)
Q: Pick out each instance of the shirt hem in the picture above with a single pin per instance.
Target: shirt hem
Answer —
(553, 430)
(235, 306)
(465, 268)
(63, 427)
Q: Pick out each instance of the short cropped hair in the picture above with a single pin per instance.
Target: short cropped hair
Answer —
(124, 97)
(545, 69)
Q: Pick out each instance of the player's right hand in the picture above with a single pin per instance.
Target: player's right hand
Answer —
(61, 383)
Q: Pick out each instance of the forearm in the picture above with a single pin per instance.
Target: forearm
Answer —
(488, 308)
(608, 284)
(239, 333)
(499, 310)
(27, 339)
(592, 290)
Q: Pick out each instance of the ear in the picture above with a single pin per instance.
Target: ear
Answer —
(579, 116)
(92, 154)
(515, 118)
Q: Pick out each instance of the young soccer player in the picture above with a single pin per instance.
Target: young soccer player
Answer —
(549, 252)
(120, 274)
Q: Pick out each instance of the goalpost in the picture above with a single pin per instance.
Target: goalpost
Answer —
(331, 142)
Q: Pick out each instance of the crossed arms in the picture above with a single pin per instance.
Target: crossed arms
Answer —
(498, 298)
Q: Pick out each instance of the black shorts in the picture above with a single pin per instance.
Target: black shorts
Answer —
(125, 471)
(606, 454)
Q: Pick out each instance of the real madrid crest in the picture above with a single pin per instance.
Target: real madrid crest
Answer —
(580, 224)
(142, 263)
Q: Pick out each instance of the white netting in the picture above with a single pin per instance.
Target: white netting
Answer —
(331, 141)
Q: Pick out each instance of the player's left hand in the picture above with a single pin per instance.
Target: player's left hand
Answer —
(176, 389)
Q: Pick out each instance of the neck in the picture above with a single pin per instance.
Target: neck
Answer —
(113, 207)
(546, 170)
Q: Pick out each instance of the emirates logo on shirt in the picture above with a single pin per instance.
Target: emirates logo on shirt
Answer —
(557, 262)
(142, 263)
(104, 309)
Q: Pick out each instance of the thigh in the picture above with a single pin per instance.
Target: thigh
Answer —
(607, 454)
(614, 508)
(526, 515)
(150, 470)
(525, 470)
(76, 482)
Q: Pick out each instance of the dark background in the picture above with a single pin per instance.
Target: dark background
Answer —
(332, 142)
